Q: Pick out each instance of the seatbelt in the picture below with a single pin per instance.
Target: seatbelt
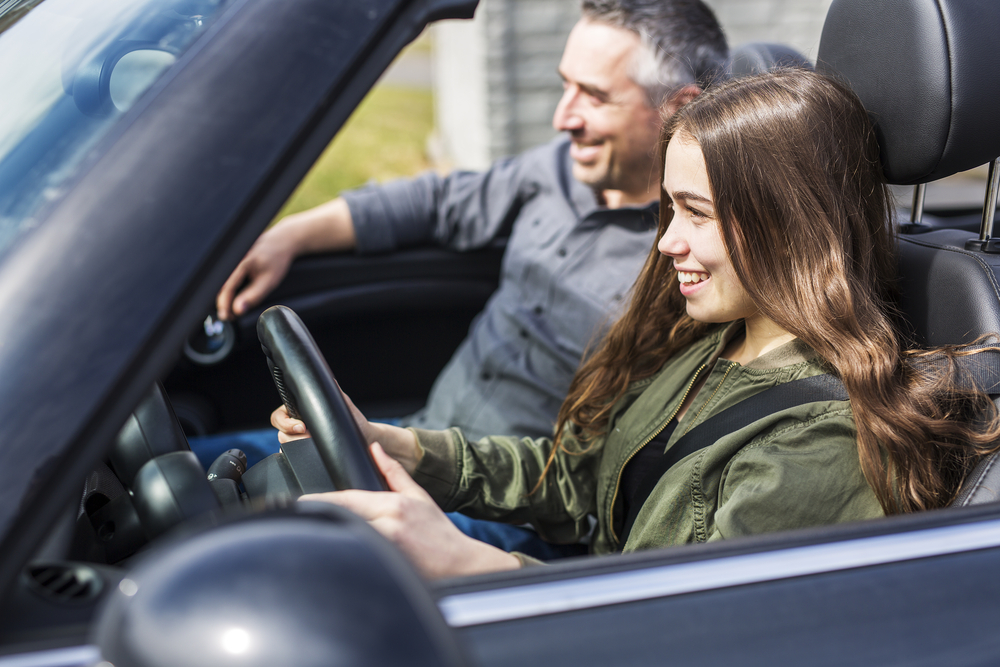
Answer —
(777, 398)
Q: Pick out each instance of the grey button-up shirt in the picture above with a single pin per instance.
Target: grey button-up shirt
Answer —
(567, 271)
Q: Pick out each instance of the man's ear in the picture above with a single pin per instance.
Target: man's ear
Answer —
(680, 98)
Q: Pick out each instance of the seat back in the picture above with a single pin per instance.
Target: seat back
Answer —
(925, 70)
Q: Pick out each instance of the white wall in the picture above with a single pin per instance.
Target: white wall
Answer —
(797, 23)
(460, 101)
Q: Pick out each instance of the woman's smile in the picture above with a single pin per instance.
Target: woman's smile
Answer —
(691, 281)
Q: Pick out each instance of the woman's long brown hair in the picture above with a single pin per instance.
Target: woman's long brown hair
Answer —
(805, 216)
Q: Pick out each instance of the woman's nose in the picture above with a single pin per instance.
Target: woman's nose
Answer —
(672, 243)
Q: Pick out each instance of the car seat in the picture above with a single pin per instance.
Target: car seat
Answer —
(926, 71)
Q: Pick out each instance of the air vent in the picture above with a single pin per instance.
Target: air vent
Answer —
(64, 582)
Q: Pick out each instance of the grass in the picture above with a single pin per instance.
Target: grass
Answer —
(385, 138)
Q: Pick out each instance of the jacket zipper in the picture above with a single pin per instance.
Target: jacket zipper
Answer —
(704, 405)
(658, 431)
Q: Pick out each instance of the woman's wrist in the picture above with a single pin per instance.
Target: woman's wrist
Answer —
(399, 443)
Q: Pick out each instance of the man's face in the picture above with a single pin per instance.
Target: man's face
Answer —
(613, 128)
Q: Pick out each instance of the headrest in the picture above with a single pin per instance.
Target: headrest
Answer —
(758, 57)
(927, 71)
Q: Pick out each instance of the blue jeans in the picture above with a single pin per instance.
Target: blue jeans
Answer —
(261, 443)
(257, 445)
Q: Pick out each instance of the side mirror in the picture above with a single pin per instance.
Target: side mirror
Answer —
(114, 78)
(312, 585)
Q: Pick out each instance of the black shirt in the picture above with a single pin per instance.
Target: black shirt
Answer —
(635, 485)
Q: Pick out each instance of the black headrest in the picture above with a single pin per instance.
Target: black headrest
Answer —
(759, 57)
(929, 73)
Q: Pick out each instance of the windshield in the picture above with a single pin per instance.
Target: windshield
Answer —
(70, 69)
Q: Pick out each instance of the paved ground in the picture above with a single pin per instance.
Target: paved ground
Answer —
(412, 68)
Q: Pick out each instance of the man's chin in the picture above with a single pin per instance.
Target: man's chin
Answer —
(595, 176)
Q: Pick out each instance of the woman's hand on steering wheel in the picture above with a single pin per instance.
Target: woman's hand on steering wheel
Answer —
(288, 428)
(398, 442)
(409, 517)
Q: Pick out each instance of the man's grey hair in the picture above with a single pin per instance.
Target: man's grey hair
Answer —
(681, 42)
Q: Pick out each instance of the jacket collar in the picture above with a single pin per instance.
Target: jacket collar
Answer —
(793, 352)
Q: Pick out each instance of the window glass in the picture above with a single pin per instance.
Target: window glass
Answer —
(68, 70)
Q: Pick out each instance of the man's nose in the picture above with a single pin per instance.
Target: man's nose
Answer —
(566, 117)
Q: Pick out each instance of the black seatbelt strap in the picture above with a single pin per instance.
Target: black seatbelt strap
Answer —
(777, 398)
(984, 370)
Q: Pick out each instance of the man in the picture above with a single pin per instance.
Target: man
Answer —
(578, 213)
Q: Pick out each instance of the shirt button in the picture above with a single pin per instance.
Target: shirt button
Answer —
(538, 310)
(485, 376)
(562, 252)
(524, 333)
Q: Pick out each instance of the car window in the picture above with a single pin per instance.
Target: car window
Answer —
(71, 68)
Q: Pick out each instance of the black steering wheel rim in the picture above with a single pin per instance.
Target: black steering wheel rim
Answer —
(309, 391)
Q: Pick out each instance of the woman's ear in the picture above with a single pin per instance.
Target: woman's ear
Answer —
(679, 99)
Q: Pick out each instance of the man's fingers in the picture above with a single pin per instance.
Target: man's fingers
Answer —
(224, 299)
(259, 286)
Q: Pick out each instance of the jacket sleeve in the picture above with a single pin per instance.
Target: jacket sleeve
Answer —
(800, 476)
(462, 211)
(494, 478)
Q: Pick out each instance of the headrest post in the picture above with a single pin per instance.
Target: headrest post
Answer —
(917, 210)
(990, 205)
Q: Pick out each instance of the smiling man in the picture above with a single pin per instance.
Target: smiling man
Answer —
(578, 213)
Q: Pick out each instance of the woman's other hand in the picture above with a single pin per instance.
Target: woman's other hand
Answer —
(409, 518)
(288, 428)
(398, 442)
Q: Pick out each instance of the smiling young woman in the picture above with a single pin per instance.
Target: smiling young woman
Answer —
(774, 209)
(774, 264)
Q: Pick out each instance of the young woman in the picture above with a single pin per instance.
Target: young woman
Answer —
(775, 262)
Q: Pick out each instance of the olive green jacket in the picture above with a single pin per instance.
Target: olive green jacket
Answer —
(794, 468)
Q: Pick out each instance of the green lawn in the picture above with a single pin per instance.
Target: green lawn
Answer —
(385, 138)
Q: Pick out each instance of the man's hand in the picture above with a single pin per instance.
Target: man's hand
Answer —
(409, 518)
(326, 228)
(263, 267)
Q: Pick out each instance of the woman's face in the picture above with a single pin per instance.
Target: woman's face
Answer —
(694, 240)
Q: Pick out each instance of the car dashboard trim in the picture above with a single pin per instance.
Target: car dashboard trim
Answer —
(542, 599)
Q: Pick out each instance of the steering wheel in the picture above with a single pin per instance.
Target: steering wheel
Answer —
(310, 393)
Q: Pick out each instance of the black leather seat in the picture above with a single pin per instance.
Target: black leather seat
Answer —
(926, 71)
